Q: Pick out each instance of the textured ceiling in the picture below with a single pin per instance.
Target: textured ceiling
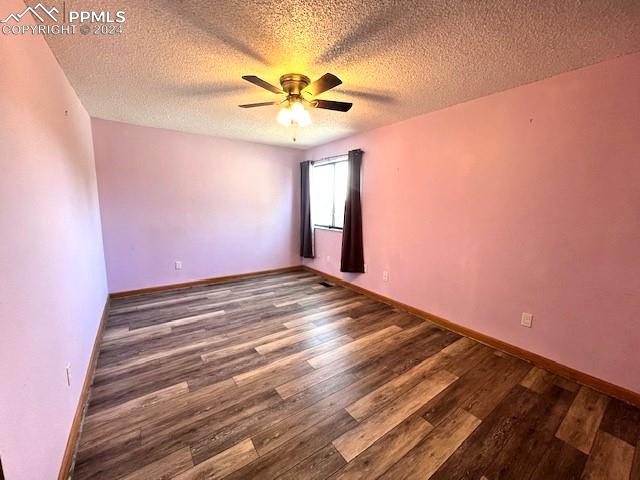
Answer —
(178, 64)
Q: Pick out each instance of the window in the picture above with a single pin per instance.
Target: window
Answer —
(329, 191)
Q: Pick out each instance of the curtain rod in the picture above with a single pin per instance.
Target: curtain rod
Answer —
(329, 159)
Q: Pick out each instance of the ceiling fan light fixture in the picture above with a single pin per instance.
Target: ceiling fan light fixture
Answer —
(294, 114)
(300, 115)
(284, 116)
(297, 108)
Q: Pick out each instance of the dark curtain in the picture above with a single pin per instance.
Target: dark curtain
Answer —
(352, 253)
(306, 230)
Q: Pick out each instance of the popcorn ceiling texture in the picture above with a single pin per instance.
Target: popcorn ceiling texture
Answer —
(178, 64)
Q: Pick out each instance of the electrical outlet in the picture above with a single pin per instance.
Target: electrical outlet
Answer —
(68, 371)
(178, 265)
(328, 258)
(365, 268)
(385, 276)
(526, 320)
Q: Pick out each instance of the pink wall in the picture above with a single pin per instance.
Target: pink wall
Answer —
(523, 201)
(220, 206)
(53, 283)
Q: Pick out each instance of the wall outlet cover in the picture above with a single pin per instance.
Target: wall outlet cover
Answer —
(526, 320)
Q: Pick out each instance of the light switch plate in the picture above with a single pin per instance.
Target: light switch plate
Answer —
(526, 320)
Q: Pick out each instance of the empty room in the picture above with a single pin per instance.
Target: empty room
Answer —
(320, 240)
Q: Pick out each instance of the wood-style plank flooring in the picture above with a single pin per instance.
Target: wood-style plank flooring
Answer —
(280, 377)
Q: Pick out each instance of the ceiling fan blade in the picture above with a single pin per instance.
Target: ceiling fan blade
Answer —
(332, 105)
(261, 104)
(324, 83)
(261, 83)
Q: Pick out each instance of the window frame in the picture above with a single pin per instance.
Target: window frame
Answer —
(323, 163)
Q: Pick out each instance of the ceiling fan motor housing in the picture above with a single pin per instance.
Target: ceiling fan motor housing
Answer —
(294, 83)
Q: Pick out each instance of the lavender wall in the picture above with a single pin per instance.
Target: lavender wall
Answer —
(220, 206)
(53, 283)
(524, 201)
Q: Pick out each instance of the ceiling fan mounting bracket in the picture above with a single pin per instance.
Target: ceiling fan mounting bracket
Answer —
(294, 83)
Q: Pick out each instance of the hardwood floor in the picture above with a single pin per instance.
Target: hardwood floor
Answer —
(278, 376)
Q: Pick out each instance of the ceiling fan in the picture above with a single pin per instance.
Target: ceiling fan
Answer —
(299, 91)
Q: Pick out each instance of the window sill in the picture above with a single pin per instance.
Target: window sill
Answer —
(331, 229)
